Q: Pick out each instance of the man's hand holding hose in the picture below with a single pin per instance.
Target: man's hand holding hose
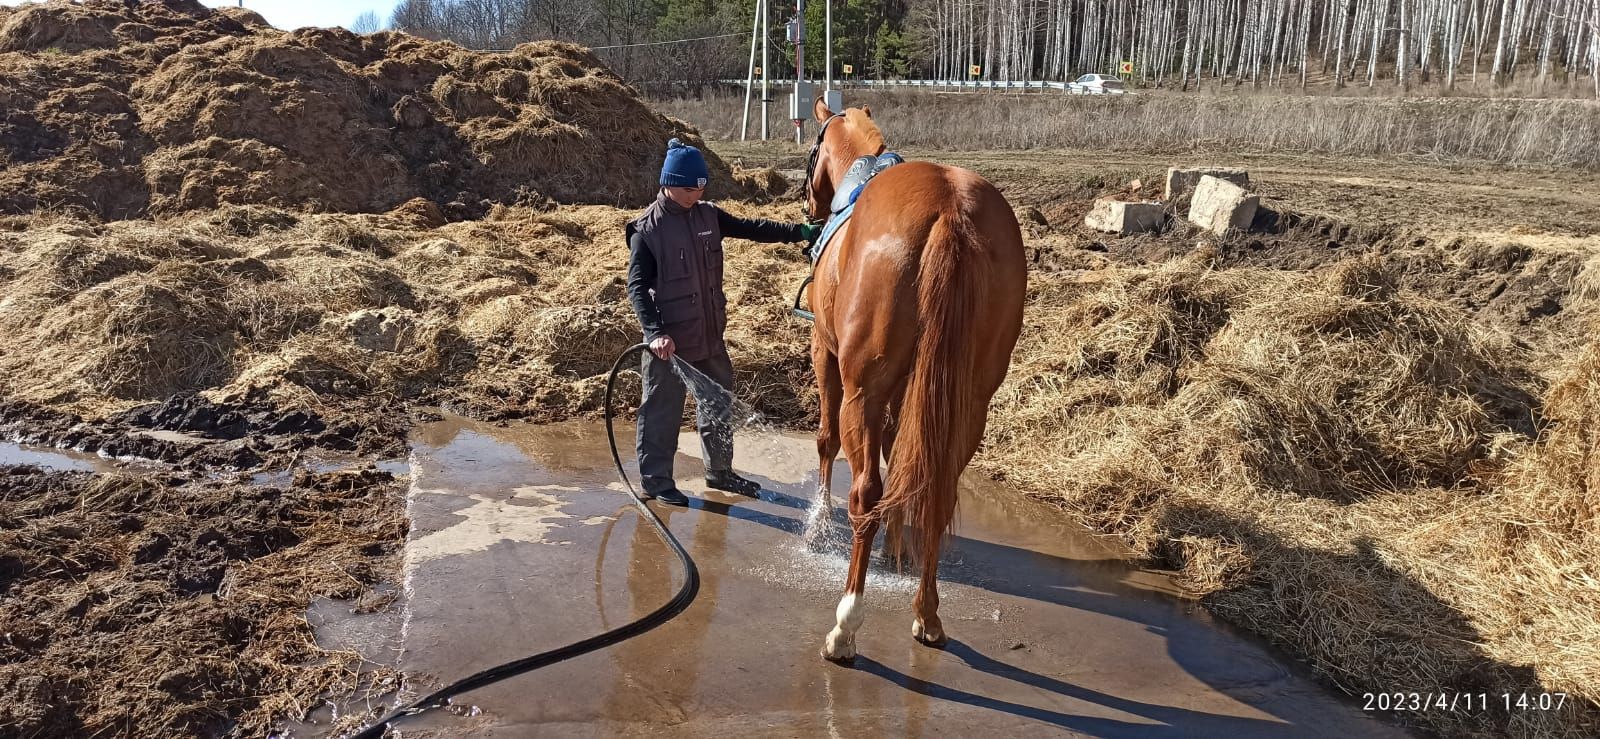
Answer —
(663, 348)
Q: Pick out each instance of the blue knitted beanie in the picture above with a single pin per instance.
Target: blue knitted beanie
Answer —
(684, 166)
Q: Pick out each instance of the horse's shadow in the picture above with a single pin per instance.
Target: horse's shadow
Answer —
(1092, 585)
(1172, 722)
(1201, 647)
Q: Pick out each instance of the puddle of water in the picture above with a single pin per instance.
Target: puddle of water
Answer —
(399, 467)
(63, 460)
(339, 626)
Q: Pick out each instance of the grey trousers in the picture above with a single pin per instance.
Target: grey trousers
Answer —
(661, 411)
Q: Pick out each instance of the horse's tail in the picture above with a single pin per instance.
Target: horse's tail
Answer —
(934, 427)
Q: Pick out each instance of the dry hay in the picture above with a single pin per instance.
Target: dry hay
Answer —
(520, 316)
(1318, 454)
(130, 313)
(1586, 286)
(174, 107)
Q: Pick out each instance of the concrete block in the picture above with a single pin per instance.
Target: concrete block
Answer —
(1182, 182)
(1219, 205)
(1124, 218)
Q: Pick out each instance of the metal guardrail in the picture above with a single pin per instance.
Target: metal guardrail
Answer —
(1067, 87)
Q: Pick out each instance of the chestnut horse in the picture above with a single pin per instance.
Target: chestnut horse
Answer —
(918, 302)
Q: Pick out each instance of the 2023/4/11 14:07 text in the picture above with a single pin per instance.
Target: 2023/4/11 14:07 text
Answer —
(1413, 701)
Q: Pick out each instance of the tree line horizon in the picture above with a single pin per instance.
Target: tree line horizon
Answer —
(1526, 44)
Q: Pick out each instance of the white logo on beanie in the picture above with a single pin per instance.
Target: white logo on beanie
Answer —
(701, 182)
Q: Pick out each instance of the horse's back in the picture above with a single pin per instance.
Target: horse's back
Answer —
(908, 199)
(902, 214)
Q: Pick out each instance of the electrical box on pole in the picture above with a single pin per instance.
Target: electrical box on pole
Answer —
(800, 101)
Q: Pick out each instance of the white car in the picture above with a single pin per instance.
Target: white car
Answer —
(1097, 84)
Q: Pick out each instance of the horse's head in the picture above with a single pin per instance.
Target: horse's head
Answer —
(844, 137)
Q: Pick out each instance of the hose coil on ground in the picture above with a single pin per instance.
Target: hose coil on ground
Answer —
(685, 595)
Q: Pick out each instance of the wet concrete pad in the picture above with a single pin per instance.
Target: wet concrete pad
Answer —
(523, 541)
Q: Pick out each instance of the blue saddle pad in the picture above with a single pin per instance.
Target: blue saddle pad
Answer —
(861, 172)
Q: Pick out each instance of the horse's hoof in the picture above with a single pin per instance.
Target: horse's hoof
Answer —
(839, 648)
(929, 637)
(841, 661)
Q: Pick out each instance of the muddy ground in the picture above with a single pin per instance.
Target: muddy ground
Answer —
(171, 603)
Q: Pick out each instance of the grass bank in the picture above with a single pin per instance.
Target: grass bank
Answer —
(1552, 133)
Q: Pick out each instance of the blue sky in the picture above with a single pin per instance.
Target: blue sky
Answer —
(292, 14)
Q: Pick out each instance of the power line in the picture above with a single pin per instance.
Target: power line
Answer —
(647, 43)
(674, 41)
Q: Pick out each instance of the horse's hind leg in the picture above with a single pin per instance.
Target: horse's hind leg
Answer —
(861, 425)
(830, 391)
(926, 626)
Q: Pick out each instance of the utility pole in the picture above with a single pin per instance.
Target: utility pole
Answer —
(750, 72)
(766, 95)
(827, 49)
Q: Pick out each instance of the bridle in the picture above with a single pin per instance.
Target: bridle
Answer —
(811, 165)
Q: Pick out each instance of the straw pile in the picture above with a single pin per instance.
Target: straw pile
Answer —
(518, 315)
(1347, 467)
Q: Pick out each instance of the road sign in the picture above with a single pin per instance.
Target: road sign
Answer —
(974, 70)
(1125, 68)
(849, 69)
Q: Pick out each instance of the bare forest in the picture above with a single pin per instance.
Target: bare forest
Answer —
(1508, 47)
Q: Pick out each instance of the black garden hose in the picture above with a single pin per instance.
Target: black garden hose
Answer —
(679, 602)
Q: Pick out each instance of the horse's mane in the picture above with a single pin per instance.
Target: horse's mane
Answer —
(865, 132)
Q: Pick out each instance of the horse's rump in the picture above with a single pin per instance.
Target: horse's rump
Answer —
(945, 405)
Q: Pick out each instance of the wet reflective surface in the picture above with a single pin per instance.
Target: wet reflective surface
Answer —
(522, 541)
(61, 460)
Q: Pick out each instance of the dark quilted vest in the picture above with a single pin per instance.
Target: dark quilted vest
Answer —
(687, 246)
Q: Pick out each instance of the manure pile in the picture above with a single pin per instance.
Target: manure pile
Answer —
(174, 107)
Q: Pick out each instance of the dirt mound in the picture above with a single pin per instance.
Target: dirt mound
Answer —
(177, 605)
(168, 108)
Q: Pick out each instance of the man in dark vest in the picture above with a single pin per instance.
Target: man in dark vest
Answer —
(675, 284)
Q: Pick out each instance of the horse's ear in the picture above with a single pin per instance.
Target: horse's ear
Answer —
(820, 110)
(866, 111)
